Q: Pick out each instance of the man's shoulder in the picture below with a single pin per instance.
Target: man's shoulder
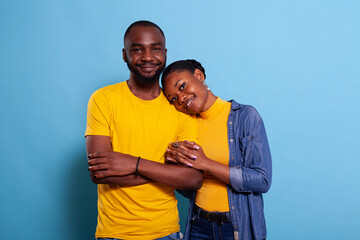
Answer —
(109, 91)
(174, 114)
(171, 108)
(113, 88)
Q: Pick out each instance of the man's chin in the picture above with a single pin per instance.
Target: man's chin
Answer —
(148, 80)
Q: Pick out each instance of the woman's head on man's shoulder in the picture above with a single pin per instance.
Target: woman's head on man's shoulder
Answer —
(184, 86)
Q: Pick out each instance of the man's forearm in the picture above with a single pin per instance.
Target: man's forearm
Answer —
(177, 176)
(123, 181)
(115, 164)
(97, 143)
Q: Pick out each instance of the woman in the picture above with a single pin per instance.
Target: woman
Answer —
(233, 153)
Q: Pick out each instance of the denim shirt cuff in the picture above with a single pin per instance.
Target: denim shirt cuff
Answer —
(236, 178)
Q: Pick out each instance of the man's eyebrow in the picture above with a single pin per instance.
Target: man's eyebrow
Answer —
(152, 44)
(158, 43)
(136, 45)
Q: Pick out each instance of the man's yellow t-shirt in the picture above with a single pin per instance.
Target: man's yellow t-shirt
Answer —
(139, 128)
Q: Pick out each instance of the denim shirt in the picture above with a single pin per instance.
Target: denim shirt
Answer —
(250, 173)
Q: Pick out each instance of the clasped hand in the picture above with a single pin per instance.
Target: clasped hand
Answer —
(187, 153)
(105, 164)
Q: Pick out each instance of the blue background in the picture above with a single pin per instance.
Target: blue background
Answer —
(297, 62)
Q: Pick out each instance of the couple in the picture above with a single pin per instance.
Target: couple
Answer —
(218, 155)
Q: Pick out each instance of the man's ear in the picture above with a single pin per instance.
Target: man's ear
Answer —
(199, 75)
(124, 55)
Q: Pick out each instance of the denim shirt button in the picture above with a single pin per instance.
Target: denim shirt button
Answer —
(233, 207)
(230, 123)
(231, 140)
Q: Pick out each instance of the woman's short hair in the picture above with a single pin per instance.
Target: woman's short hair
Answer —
(182, 65)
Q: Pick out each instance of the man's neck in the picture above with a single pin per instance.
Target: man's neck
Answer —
(145, 92)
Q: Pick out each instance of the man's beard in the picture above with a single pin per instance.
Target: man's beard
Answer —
(146, 80)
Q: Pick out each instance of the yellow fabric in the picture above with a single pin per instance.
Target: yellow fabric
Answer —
(139, 128)
(213, 138)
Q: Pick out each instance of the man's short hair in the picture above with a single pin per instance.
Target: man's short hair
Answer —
(142, 23)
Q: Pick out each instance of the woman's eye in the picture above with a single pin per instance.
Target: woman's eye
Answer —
(182, 86)
(173, 100)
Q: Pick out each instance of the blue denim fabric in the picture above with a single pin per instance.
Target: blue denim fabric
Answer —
(202, 229)
(250, 173)
(173, 236)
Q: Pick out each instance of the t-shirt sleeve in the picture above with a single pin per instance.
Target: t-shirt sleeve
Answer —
(187, 128)
(98, 115)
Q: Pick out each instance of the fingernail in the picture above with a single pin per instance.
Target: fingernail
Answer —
(193, 156)
(189, 164)
(167, 150)
(196, 147)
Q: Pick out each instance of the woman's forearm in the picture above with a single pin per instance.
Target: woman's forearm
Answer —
(218, 170)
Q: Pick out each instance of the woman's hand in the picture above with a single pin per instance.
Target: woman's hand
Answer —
(187, 153)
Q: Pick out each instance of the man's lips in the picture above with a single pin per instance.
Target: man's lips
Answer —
(148, 67)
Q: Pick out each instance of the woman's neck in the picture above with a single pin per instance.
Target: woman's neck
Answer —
(210, 100)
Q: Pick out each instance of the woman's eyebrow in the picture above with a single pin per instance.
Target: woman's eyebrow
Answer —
(177, 83)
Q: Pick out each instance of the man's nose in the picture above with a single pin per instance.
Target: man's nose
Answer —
(147, 55)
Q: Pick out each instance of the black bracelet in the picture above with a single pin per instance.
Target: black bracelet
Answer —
(137, 166)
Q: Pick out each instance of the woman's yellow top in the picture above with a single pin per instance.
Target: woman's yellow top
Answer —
(213, 138)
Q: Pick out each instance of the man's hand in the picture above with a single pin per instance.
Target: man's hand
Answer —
(105, 164)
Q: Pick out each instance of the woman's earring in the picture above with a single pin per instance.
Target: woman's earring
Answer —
(206, 86)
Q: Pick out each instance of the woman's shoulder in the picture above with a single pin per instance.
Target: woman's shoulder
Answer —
(243, 108)
(245, 115)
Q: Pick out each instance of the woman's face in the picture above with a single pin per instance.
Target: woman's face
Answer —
(186, 91)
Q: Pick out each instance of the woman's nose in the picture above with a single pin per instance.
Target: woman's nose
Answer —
(181, 98)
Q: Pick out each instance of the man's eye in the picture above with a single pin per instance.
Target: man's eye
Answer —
(136, 49)
(182, 86)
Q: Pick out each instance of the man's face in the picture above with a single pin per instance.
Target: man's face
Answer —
(145, 53)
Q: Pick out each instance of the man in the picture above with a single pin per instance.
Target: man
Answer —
(130, 125)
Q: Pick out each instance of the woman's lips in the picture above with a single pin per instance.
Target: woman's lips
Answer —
(189, 103)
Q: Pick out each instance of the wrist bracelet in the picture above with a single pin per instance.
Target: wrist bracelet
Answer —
(137, 166)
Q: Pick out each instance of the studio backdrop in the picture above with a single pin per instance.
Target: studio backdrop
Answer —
(297, 62)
